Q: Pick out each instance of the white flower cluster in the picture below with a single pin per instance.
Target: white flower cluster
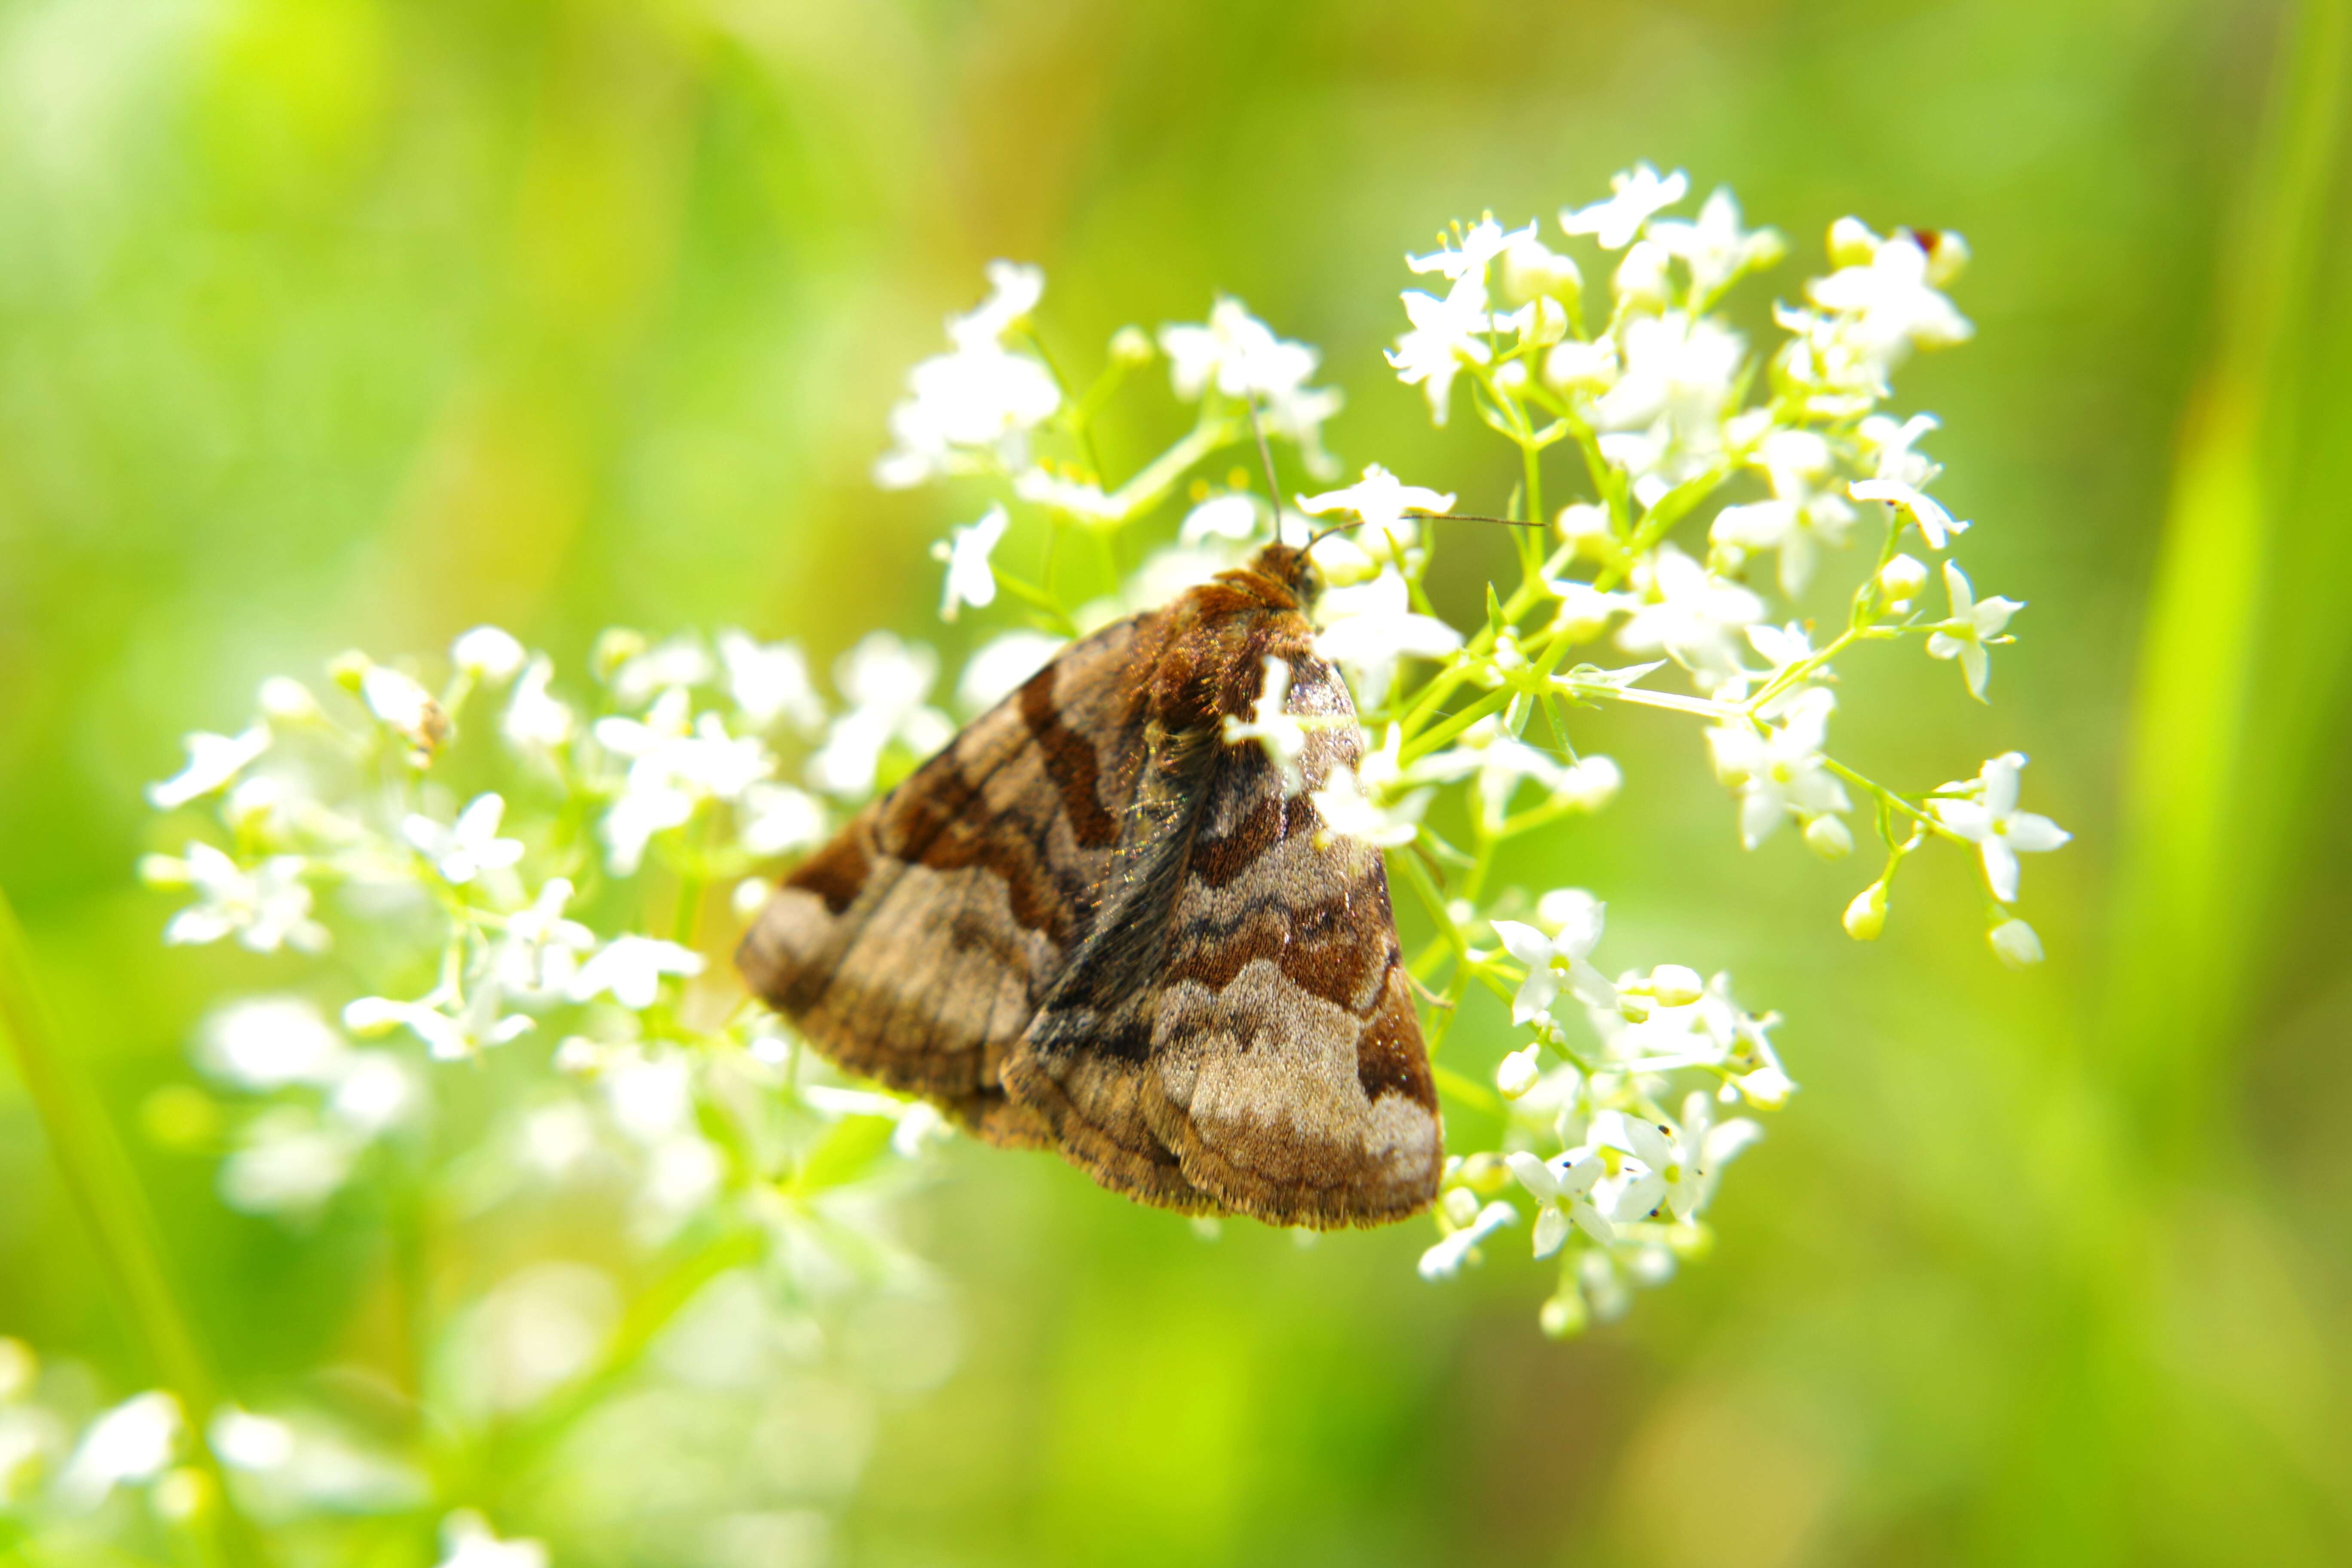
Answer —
(1718, 485)
(545, 934)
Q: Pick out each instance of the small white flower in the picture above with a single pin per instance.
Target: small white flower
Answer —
(131, 1443)
(1970, 627)
(1892, 305)
(673, 769)
(1368, 627)
(1639, 282)
(488, 652)
(1482, 243)
(779, 819)
(1444, 1260)
(1935, 524)
(770, 681)
(405, 708)
(1557, 962)
(1446, 332)
(1690, 615)
(886, 681)
(1235, 515)
(1239, 355)
(2000, 831)
(468, 1541)
(538, 953)
(447, 1037)
(672, 666)
(1590, 368)
(1780, 774)
(1661, 421)
(263, 1042)
(970, 579)
(1680, 1167)
(974, 406)
(1563, 1186)
(214, 762)
(1002, 665)
(468, 846)
(631, 969)
(1272, 726)
(1384, 505)
(265, 908)
(535, 722)
(286, 1163)
(1714, 249)
(286, 701)
(245, 1441)
(1533, 270)
(1635, 197)
(1348, 811)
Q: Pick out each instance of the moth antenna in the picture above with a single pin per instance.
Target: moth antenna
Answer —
(1265, 456)
(1473, 517)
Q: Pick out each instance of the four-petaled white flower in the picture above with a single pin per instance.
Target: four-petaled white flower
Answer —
(1272, 726)
(1368, 627)
(1714, 249)
(1445, 1259)
(1563, 1186)
(1348, 811)
(1239, 355)
(538, 953)
(974, 406)
(1691, 614)
(1560, 962)
(1661, 421)
(1636, 196)
(1385, 506)
(266, 907)
(1935, 524)
(1677, 1167)
(1972, 624)
(970, 579)
(1484, 241)
(631, 969)
(1890, 304)
(405, 708)
(535, 722)
(2000, 831)
(886, 681)
(214, 762)
(468, 846)
(674, 767)
(771, 681)
(1780, 772)
(447, 1036)
(1444, 334)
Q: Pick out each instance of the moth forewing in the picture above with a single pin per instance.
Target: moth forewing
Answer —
(1094, 922)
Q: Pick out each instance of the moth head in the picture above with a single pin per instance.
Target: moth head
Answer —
(1294, 568)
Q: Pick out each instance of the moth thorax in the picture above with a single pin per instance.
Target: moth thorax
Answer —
(1293, 568)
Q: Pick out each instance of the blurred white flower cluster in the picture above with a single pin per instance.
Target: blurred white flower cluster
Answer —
(497, 897)
(1702, 489)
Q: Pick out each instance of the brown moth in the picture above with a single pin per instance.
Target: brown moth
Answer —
(1094, 924)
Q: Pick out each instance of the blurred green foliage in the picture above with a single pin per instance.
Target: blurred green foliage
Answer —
(327, 323)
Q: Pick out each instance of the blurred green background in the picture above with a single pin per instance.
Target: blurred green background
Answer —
(335, 322)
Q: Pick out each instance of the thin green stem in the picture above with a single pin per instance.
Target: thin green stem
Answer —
(105, 1189)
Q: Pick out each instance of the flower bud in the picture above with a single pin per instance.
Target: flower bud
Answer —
(1828, 837)
(1513, 374)
(2016, 943)
(1850, 242)
(1866, 916)
(1519, 1072)
(286, 701)
(1130, 345)
(1675, 985)
(1564, 1316)
(1590, 783)
(1585, 527)
(1582, 367)
(1459, 1206)
(1901, 579)
(1948, 255)
(1641, 279)
(1533, 270)
(489, 652)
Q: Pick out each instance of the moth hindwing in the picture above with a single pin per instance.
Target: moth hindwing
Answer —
(1093, 924)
